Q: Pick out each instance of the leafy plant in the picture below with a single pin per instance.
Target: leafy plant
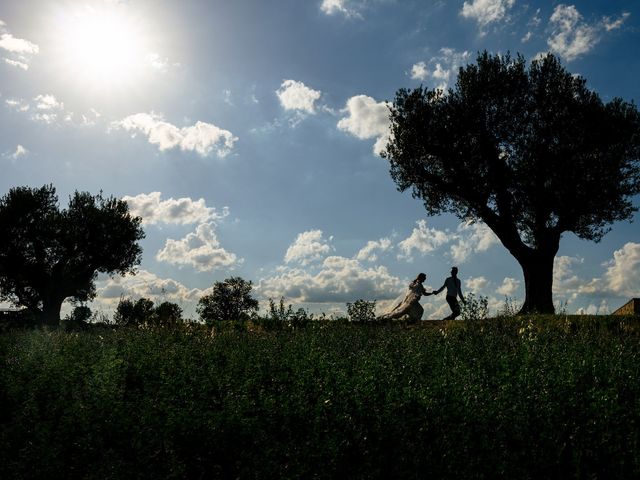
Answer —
(361, 310)
(474, 308)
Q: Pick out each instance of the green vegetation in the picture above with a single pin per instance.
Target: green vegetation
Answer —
(552, 397)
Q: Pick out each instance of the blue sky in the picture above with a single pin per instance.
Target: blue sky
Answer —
(246, 135)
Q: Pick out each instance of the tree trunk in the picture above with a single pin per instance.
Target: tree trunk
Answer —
(538, 281)
(51, 311)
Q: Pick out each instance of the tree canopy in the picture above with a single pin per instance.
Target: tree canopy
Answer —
(228, 300)
(48, 254)
(529, 150)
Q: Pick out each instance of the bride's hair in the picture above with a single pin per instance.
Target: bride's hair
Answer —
(420, 276)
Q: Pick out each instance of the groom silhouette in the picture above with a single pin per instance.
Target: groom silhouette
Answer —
(454, 290)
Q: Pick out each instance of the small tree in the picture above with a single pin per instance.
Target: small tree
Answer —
(228, 300)
(167, 313)
(133, 314)
(532, 152)
(48, 255)
(361, 310)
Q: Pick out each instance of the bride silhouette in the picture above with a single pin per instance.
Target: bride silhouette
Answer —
(410, 304)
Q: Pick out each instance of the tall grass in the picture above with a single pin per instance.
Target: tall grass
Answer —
(510, 398)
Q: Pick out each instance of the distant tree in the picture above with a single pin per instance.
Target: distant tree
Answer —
(167, 313)
(229, 300)
(133, 313)
(48, 255)
(79, 314)
(532, 152)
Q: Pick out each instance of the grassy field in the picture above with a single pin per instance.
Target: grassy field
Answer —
(505, 398)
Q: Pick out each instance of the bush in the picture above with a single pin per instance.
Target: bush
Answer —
(361, 311)
(475, 308)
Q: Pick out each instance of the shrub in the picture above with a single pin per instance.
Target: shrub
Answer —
(361, 311)
(475, 308)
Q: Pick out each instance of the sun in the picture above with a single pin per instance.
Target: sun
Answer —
(101, 47)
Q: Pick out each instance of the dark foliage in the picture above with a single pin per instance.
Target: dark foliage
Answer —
(501, 399)
(48, 254)
(532, 152)
(140, 312)
(361, 311)
(228, 300)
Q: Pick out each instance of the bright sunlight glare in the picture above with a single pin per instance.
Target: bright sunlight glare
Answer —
(102, 48)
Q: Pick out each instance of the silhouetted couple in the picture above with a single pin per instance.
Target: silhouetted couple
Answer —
(410, 305)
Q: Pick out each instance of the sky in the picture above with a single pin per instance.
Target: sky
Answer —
(247, 134)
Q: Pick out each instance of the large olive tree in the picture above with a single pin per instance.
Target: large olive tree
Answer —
(527, 149)
(48, 254)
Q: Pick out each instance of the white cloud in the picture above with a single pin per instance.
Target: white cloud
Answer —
(472, 238)
(48, 102)
(368, 252)
(17, 63)
(144, 284)
(419, 71)
(339, 279)
(200, 249)
(509, 287)
(476, 284)
(182, 211)
(17, 45)
(610, 24)
(367, 119)
(47, 107)
(441, 68)
(202, 138)
(526, 37)
(295, 95)
(332, 7)
(570, 36)
(622, 277)
(17, 104)
(486, 11)
(20, 151)
(157, 62)
(423, 240)
(308, 247)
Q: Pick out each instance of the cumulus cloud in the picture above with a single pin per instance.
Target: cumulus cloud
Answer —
(476, 284)
(509, 287)
(622, 277)
(441, 68)
(338, 279)
(308, 247)
(200, 249)
(423, 240)
(368, 252)
(367, 119)
(144, 284)
(472, 238)
(181, 211)
(486, 11)
(202, 138)
(295, 95)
